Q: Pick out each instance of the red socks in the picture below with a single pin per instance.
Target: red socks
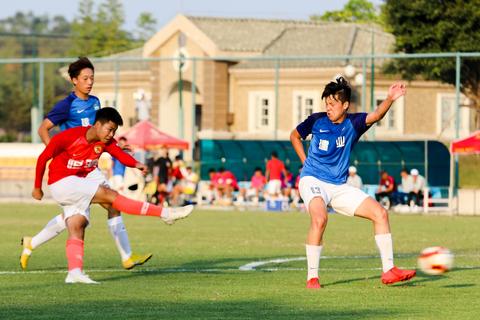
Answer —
(75, 254)
(134, 207)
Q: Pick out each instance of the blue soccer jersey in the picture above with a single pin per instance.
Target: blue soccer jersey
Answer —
(329, 153)
(74, 112)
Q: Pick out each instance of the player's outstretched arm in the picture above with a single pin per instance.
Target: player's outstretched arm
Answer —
(296, 141)
(395, 91)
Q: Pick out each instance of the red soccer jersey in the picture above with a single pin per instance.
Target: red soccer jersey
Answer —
(73, 155)
(386, 183)
(275, 168)
(228, 178)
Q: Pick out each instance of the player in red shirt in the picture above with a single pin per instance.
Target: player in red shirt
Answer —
(226, 185)
(386, 188)
(275, 169)
(75, 153)
(79, 109)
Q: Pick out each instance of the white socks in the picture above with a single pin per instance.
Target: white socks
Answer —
(385, 246)
(313, 260)
(53, 228)
(120, 235)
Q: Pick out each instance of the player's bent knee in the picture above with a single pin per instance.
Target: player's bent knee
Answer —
(319, 222)
(112, 213)
(380, 214)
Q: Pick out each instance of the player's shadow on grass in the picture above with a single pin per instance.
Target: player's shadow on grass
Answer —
(324, 285)
(217, 266)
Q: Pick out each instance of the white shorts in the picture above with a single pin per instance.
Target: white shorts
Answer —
(274, 187)
(98, 177)
(343, 198)
(74, 194)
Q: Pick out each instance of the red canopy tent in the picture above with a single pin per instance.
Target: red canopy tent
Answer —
(467, 145)
(145, 135)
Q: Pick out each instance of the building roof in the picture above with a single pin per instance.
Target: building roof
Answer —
(287, 38)
(241, 34)
(266, 38)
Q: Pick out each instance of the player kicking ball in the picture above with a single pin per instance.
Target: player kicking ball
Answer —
(325, 171)
(79, 109)
(75, 153)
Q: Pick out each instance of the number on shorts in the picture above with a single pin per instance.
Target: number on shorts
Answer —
(316, 190)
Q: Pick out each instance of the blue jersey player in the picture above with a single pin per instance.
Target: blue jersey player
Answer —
(325, 171)
(79, 109)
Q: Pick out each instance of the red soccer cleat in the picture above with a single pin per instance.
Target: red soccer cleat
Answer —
(396, 275)
(313, 284)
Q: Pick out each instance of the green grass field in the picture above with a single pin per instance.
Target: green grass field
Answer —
(195, 274)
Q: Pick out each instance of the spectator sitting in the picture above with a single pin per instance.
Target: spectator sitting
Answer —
(226, 184)
(402, 195)
(288, 183)
(354, 179)
(187, 186)
(416, 195)
(257, 185)
(178, 171)
(385, 189)
(295, 193)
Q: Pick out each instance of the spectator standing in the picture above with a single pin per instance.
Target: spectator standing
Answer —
(273, 174)
(163, 167)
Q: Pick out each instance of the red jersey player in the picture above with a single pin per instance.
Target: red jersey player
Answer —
(75, 154)
(274, 170)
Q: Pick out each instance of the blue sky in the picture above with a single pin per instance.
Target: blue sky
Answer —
(164, 11)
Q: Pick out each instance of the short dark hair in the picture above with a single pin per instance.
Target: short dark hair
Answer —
(76, 67)
(340, 89)
(122, 139)
(211, 170)
(108, 114)
(274, 154)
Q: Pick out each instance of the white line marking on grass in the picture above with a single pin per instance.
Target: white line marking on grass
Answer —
(253, 265)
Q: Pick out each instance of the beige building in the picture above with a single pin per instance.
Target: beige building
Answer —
(237, 88)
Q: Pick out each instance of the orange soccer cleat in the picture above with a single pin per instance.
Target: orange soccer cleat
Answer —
(313, 283)
(396, 275)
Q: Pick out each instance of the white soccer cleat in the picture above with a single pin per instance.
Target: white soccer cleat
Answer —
(173, 214)
(79, 278)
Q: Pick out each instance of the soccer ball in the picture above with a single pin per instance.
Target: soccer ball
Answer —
(435, 260)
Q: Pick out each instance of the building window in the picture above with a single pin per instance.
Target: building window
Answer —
(304, 104)
(446, 116)
(261, 111)
(392, 122)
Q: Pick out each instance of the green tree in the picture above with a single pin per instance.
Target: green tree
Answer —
(100, 32)
(361, 11)
(146, 26)
(437, 26)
